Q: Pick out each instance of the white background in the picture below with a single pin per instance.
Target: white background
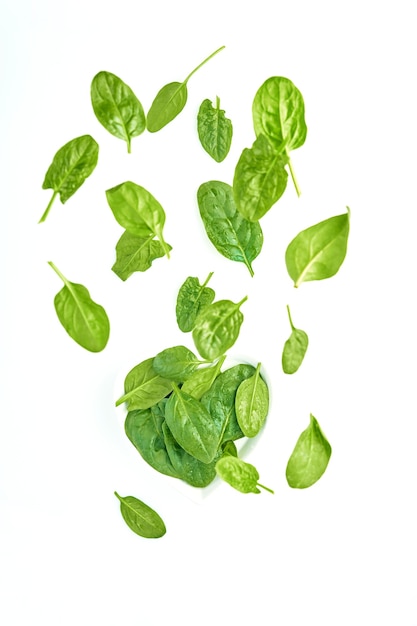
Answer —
(340, 553)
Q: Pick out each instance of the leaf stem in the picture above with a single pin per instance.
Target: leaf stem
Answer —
(201, 64)
(239, 304)
(48, 208)
(62, 277)
(289, 316)
(207, 279)
(266, 488)
(294, 178)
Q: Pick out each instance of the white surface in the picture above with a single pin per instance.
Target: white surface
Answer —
(340, 553)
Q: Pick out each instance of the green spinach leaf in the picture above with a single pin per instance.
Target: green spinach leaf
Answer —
(235, 237)
(137, 211)
(136, 254)
(217, 328)
(202, 379)
(192, 425)
(215, 130)
(310, 457)
(192, 298)
(144, 387)
(71, 165)
(252, 404)
(140, 518)
(116, 107)
(260, 179)
(144, 429)
(177, 363)
(240, 475)
(319, 251)
(278, 113)
(294, 348)
(170, 101)
(84, 320)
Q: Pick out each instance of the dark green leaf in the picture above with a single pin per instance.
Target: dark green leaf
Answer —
(137, 211)
(240, 475)
(144, 387)
(192, 426)
(294, 349)
(84, 320)
(229, 231)
(177, 363)
(214, 130)
(116, 107)
(260, 179)
(135, 254)
(140, 518)
(217, 328)
(310, 457)
(252, 404)
(170, 101)
(192, 298)
(319, 251)
(71, 165)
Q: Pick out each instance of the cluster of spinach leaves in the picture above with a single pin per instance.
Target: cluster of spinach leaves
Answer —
(184, 413)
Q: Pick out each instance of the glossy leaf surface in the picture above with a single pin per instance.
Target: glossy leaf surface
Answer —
(240, 475)
(144, 387)
(202, 379)
(214, 129)
(235, 237)
(295, 348)
(176, 363)
(192, 426)
(138, 211)
(260, 179)
(310, 457)
(136, 254)
(140, 518)
(217, 328)
(192, 298)
(84, 320)
(319, 251)
(71, 165)
(170, 101)
(116, 107)
(252, 404)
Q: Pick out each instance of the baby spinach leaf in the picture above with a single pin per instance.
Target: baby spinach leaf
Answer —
(235, 237)
(116, 107)
(217, 328)
(252, 404)
(192, 298)
(229, 448)
(319, 251)
(71, 165)
(177, 363)
(170, 101)
(192, 425)
(137, 211)
(215, 130)
(240, 475)
(187, 467)
(135, 254)
(260, 179)
(294, 348)
(84, 320)
(144, 429)
(310, 457)
(278, 113)
(219, 400)
(144, 387)
(202, 379)
(140, 518)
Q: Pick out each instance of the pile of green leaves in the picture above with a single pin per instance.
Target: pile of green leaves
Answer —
(184, 412)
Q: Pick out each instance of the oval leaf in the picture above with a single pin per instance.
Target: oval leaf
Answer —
(168, 103)
(295, 348)
(177, 363)
(310, 457)
(192, 298)
(252, 404)
(240, 475)
(140, 518)
(136, 254)
(84, 320)
(116, 107)
(144, 387)
(214, 130)
(319, 251)
(235, 237)
(217, 328)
